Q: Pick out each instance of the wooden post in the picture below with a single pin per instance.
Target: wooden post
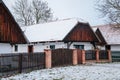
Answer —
(20, 63)
(97, 55)
(109, 55)
(83, 57)
(48, 58)
(75, 59)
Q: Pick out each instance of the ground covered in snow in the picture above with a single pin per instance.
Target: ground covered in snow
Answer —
(107, 71)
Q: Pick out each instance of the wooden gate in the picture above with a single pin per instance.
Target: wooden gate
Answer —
(79, 54)
(90, 55)
(61, 57)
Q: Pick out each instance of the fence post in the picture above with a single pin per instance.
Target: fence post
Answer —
(97, 55)
(83, 57)
(48, 58)
(20, 63)
(75, 59)
(109, 55)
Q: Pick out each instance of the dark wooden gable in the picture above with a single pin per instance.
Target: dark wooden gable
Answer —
(10, 31)
(82, 32)
(101, 38)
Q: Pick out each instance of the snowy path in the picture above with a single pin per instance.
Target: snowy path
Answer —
(80, 72)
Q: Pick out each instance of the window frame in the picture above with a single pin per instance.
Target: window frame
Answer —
(16, 48)
(76, 46)
(52, 47)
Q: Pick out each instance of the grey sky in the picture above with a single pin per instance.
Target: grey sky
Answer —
(62, 9)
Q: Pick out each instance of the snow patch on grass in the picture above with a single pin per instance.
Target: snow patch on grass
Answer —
(107, 71)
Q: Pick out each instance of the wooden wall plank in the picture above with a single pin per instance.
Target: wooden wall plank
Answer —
(81, 33)
(9, 29)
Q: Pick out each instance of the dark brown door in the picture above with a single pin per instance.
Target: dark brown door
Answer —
(30, 49)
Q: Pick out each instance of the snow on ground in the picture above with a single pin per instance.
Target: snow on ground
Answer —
(107, 71)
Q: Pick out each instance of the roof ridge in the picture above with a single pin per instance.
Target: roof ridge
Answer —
(77, 19)
(102, 25)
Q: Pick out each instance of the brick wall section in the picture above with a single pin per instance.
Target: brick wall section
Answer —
(78, 57)
(104, 60)
(48, 61)
(109, 56)
(97, 55)
(75, 58)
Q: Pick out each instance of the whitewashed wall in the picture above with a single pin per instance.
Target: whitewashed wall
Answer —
(87, 45)
(115, 47)
(39, 47)
(21, 48)
(101, 47)
(5, 48)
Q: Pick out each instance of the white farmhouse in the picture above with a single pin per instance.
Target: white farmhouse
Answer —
(68, 33)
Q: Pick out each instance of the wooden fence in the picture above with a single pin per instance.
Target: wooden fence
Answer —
(103, 54)
(22, 62)
(93, 56)
(79, 56)
(90, 55)
(61, 57)
(115, 56)
(25, 62)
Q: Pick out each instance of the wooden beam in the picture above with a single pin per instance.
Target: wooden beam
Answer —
(69, 44)
(93, 43)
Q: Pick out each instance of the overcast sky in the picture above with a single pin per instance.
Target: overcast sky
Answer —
(63, 9)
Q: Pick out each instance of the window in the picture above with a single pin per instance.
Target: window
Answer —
(52, 47)
(16, 48)
(30, 49)
(79, 46)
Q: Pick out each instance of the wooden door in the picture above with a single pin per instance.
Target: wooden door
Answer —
(30, 49)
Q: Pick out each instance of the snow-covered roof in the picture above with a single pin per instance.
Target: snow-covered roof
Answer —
(51, 31)
(111, 34)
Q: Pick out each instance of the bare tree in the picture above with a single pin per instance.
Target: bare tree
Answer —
(23, 12)
(29, 12)
(111, 10)
(42, 12)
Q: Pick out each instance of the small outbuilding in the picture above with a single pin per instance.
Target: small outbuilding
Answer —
(111, 39)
